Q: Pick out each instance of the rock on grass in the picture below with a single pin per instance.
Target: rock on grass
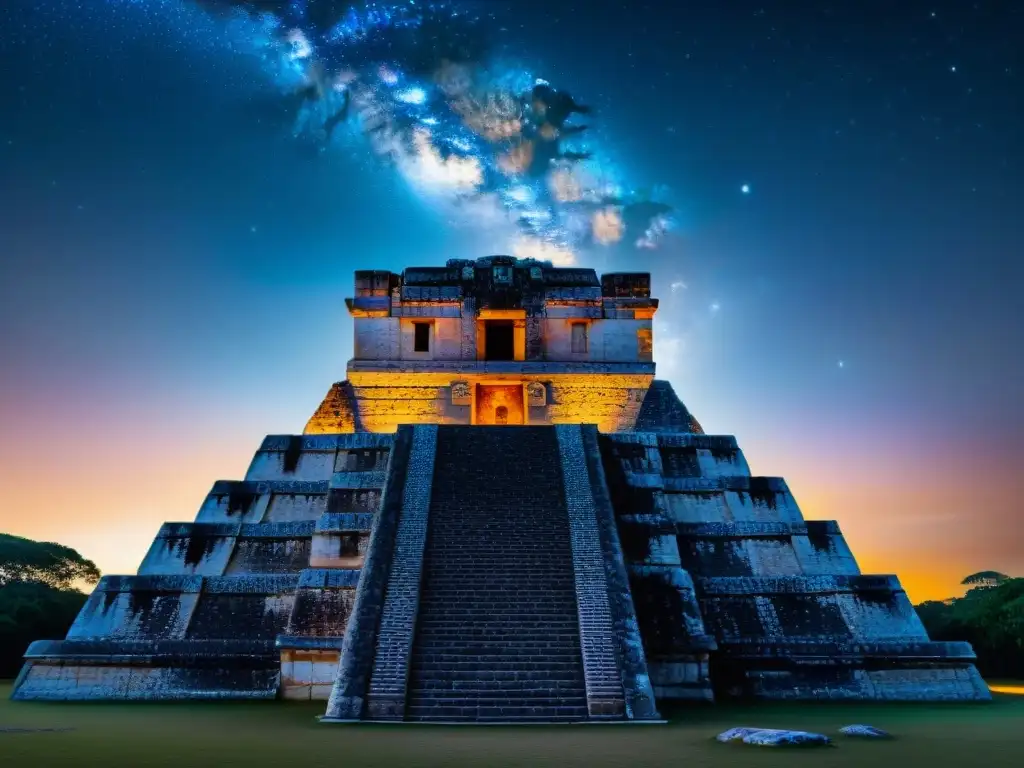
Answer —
(771, 737)
(865, 732)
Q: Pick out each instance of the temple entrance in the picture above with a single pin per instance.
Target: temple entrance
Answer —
(499, 404)
(499, 340)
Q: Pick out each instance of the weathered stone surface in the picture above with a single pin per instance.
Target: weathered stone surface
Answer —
(770, 737)
(735, 734)
(635, 557)
(864, 732)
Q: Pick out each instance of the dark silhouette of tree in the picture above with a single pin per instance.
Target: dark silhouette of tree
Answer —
(985, 579)
(990, 617)
(55, 565)
(38, 595)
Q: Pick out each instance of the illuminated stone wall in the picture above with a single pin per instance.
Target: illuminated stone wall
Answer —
(600, 377)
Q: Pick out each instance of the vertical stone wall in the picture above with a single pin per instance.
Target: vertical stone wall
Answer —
(388, 681)
(636, 681)
(675, 641)
(348, 694)
(601, 662)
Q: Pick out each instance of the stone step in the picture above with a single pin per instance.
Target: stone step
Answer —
(507, 713)
(502, 676)
(430, 645)
(487, 687)
(430, 698)
(491, 696)
(495, 636)
(486, 656)
(497, 633)
(481, 666)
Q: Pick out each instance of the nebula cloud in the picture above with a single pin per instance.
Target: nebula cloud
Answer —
(422, 86)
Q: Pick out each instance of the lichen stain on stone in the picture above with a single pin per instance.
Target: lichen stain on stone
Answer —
(109, 599)
(322, 613)
(141, 602)
(714, 557)
(196, 547)
(809, 616)
(660, 610)
(636, 541)
(761, 493)
(680, 462)
(240, 500)
(819, 535)
(292, 454)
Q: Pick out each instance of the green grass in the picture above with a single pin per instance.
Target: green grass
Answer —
(252, 735)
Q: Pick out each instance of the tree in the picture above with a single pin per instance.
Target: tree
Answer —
(57, 566)
(38, 595)
(985, 579)
(990, 617)
(33, 611)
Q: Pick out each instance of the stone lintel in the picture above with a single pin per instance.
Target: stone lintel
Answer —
(460, 368)
(169, 583)
(357, 480)
(328, 442)
(804, 585)
(345, 522)
(752, 530)
(256, 584)
(304, 643)
(209, 530)
(298, 529)
(146, 651)
(262, 487)
(725, 444)
(329, 578)
(818, 651)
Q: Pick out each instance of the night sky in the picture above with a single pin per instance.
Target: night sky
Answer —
(841, 289)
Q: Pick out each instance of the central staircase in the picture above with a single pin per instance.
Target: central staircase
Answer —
(497, 633)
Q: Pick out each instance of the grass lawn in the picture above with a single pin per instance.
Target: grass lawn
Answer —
(251, 735)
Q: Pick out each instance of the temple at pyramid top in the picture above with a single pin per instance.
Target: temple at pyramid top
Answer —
(500, 340)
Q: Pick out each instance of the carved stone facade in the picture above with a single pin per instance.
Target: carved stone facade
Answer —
(499, 516)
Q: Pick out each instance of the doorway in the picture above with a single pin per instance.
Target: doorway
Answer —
(499, 340)
(499, 405)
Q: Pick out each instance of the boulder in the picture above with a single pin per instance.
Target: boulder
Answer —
(781, 738)
(736, 734)
(865, 732)
(771, 737)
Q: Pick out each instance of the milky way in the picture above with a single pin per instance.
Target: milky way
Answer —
(426, 88)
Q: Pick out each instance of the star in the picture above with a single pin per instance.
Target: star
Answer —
(953, 68)
(842, 364)
(745, 189)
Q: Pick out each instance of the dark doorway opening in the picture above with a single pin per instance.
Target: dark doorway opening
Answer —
(421, 337)
(499, 340)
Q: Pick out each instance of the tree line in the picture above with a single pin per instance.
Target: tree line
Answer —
(990, 617)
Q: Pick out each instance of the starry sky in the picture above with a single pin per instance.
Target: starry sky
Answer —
(841, 289)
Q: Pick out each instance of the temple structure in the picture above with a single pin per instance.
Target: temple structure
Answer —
(500, 515)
